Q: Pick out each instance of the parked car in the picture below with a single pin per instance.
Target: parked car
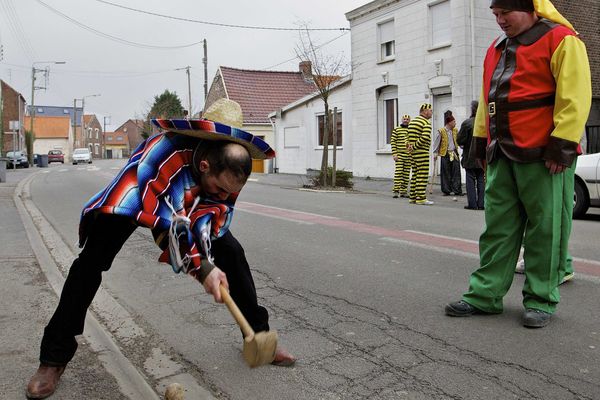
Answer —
(82, 155)
(17, 157)
(56, 156)
(587, 184)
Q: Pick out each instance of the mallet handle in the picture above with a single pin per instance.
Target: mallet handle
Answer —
(235, 311)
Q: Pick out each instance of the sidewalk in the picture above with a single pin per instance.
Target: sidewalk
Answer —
(378, 186)
(26, 303)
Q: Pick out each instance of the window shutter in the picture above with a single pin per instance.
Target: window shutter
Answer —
(386, 32)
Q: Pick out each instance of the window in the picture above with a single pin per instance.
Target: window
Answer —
(338, 122)
(387, 44)
(440, 24)
(97, 130)
(388, 115)
(89, 133)
(391, 118)
(119, 138)
(65, 111)
(40, 110)
(109, 138)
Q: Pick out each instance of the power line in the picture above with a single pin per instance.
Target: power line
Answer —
(318, 47)
(115, 38)
(217, 23)
(17, 30)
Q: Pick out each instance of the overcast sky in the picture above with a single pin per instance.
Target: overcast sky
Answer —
(128, 76)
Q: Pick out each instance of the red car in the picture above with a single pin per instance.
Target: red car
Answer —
(56, 156)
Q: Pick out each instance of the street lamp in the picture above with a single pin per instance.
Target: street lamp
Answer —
(30, 135)
(83, 137)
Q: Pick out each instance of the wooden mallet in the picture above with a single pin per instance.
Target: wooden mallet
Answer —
(259, 348)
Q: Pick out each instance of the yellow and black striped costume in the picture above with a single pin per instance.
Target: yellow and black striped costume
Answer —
(402, 168)
(419, 137)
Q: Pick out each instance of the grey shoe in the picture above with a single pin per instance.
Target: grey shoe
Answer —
(536, 318)
(461, 309)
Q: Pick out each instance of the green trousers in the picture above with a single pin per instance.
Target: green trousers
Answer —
(524, 205)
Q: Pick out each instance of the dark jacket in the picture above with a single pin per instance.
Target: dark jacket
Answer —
(465, 135)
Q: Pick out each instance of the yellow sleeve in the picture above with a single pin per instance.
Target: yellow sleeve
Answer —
(571, 70)
(479, 125)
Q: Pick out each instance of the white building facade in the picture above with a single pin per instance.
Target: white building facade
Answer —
(407, 52)
(298, 131)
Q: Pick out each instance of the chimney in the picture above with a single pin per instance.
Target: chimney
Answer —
(305, 68)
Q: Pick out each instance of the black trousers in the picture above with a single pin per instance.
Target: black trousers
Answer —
(475, 188)
(107, 236)
(450, 176)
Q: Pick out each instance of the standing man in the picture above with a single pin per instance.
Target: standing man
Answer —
(419, 140)
(401, 158)
(535, 100)
(474, 170)
(446, 148)
(182, 184)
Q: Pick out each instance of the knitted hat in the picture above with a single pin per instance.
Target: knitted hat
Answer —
(516, 5)
(448, 117)
(221, 121)
(543, 8)
(405, 116)
(425, 106)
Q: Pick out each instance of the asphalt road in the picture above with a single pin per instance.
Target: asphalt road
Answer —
(355, 284)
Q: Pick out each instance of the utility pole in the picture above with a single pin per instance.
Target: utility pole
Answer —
(205, 62)
(74, 123)
(190, 113)
(187, 70)
(30, 136)
(103, 133)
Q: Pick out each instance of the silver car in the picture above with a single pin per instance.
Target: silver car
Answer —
(82, 155)
(18, 158)
(587, 184)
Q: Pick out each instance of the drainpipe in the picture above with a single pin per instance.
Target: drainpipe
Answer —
(274, 144)
(472, 12)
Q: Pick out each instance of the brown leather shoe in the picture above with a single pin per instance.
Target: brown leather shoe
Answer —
(283, 358)
(43, 383)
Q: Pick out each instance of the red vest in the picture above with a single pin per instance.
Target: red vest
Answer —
(519, 89)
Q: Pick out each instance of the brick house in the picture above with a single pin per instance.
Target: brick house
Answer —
(259, 93)
(93, 135)
(116, 145)
(12, 108)
(133, 129)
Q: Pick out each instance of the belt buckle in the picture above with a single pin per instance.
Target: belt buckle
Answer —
(492, 109)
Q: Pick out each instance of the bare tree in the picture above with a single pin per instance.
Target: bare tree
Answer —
(326, 70)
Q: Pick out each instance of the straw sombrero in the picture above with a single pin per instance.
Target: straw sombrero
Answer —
(222, 121)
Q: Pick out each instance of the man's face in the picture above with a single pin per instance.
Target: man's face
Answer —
(512, 22)
(427, 113)
(219, 187)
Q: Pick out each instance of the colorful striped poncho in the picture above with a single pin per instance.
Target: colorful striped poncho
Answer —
(157, 182)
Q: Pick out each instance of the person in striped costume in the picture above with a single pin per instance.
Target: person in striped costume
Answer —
(534, 104)
(419, 141)
(182, 184)
(401, 158)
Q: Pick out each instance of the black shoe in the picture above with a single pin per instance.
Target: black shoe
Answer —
(481, 208)
(445, 194)
(470, 208)
(536, 318)
(462, 309)
(395, 196)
